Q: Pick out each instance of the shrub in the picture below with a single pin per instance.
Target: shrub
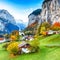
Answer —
(34, 43)
(45, 26)
(5, 45)
(44, 33)
(56, 26)
(14, 38)
(13, 47)
(7, 36)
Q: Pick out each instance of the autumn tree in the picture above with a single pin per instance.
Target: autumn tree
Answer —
(14, 35)
(45, 26)
(56, 26)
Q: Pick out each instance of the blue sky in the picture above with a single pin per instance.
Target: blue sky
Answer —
(20, 9)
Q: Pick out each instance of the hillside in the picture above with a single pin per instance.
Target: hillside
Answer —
(54, 39)
(44, 53)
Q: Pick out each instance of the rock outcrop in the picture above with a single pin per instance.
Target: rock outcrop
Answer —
(34, 16)
(50, 11)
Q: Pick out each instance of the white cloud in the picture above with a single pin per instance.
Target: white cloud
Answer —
(18, 14)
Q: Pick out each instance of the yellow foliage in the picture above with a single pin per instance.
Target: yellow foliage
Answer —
(34, 43)
(45, 26)
(13, 47)
(42, 30)
(35, 36)
(43, 33)
(13, 37)
(15, 32)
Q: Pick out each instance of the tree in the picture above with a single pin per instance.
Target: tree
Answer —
(45, 26)
(56, 26)
(14, 35)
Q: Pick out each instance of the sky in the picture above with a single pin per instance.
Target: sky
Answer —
(20, 9)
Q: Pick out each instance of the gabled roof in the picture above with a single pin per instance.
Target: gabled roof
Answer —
(22, 44)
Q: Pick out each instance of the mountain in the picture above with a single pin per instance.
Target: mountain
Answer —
(34, 16)
(36, 12)
(7, 22)
(21, 26)
(51, 11)
(11, 27)
(4, 14)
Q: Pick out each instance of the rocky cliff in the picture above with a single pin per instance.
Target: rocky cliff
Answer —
(50, 11)
(34, 16)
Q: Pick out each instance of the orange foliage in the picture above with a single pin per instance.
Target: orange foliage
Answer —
(57, 24)
(13, 37)
(32, 25)
(44, 33)
(15, 33)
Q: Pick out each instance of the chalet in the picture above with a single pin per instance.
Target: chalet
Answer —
(51, 32)
(24, 47)
(2, 39)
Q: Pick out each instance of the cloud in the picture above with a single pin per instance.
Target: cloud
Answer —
(18, 14)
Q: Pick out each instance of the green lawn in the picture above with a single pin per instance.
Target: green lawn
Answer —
(44, 53)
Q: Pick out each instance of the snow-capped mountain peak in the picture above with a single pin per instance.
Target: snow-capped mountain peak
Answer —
(7, 21)
(7, 16)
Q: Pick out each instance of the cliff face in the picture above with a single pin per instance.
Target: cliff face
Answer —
(51, 11)
(34, 16)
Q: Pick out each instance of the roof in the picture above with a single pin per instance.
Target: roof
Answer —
(22, 44)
